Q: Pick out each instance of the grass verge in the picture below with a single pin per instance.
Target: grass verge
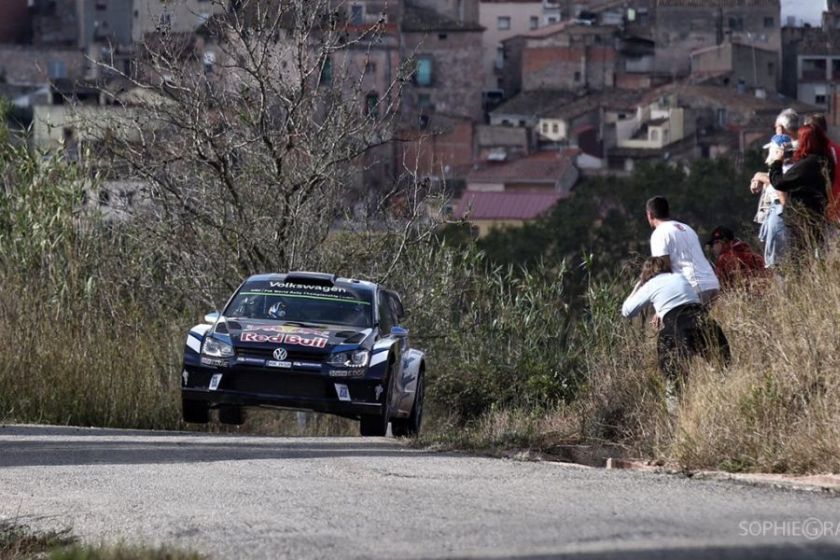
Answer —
(19, 542)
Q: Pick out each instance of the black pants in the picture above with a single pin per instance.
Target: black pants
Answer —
(688, 331)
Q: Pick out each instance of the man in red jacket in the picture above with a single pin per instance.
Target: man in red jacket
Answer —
(736, 262)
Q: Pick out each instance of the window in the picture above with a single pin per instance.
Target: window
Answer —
(721, 117)
(372, 105)
(555, 128)
(769, 22)
(386, 316)
(209, 61)
(503, 23)
(424, 101)
(442, 36)
(423, 74)
(820, 99)
(500, 58)
(165, 20)
(654, 135)
(577, 76)
(771, 69)
(534, 22)
(736, 24)
(357, 14)
(57, 69)
(551, 20)
(326, 72)
(545, 128)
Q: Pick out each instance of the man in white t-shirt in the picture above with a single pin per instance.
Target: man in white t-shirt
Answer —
(681, 245)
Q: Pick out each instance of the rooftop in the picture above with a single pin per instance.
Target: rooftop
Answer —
(479, 205)
(535, 102)
(419, 19)
(541, 168)
(716, 4)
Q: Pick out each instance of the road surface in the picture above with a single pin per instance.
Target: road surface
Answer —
(257, 497)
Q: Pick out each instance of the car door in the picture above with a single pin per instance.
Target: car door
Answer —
(387, 321)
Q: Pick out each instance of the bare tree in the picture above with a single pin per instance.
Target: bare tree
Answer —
(259, 135)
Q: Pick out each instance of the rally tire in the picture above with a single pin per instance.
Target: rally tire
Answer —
(410, 427)
(194, 412)
(231, 415)
(376, 425)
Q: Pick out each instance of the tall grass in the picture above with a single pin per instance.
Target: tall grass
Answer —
(777, 408)
(94, 318)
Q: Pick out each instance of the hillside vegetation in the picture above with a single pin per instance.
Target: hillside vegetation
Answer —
(525, 343)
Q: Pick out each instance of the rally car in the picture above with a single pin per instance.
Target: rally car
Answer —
(306, 341)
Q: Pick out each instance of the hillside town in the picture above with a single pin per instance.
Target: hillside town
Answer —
(517, 101)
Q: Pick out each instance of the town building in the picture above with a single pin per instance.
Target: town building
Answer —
(486, 211)
(684, 26)
(568, 56)
(751, 66)
(503, 19)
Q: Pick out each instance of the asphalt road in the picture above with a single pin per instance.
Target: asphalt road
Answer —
(253, 497)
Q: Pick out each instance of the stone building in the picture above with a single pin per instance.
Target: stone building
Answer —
(178, 16)
(81, 23)
(501, 20)
(447, 54)
(684, 26)
(15, 25)
(565, 56)
(749, 65)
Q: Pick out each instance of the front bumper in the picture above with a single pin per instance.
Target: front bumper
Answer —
(312, 391)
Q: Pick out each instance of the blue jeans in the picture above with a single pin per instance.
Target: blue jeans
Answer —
(775, 236)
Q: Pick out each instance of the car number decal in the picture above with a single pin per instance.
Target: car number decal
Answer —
(277, 364)
(343, 392)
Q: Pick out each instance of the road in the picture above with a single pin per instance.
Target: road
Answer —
(257, 497)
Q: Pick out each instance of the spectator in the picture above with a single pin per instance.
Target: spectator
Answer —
(807, 183)
(771, 202)
(686, 326)
(735, 261)
(681, 246)
(832, 212)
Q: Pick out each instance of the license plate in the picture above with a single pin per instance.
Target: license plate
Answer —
(214, 381)
(343, 392)
(274, 363)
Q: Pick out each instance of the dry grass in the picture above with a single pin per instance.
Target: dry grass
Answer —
(775, 409)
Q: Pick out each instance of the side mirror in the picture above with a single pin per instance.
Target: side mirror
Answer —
(399, 332)
(212, 317)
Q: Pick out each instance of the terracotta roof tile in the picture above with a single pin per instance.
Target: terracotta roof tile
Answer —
(541, 168)
(479, 205)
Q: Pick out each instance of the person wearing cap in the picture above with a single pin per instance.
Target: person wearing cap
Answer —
(735, 261)
(773, 232)
(680, 245)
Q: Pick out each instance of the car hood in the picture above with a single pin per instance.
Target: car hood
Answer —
(310, 339)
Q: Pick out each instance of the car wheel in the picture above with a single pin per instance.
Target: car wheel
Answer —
(195, 412)
(377, 425)
(234, 415)
(410, 427)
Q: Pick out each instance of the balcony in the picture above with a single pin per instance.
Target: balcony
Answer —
(818, 75)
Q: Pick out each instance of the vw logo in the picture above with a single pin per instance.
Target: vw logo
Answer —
(280, 354)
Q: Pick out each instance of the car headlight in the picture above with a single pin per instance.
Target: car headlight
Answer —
(354, 359)
(217, 348)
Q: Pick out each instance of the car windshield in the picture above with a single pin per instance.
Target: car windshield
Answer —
(295, 303)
